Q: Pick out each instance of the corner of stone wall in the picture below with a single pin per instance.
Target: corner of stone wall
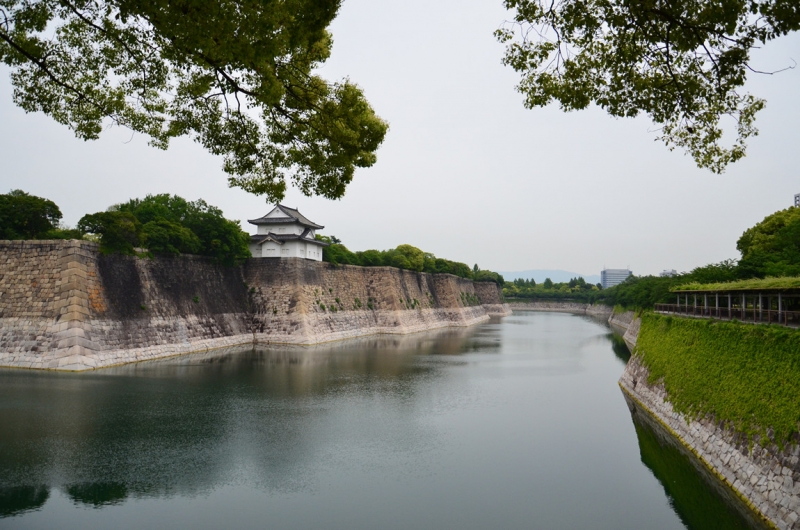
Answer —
(72, 330)
(632, 333)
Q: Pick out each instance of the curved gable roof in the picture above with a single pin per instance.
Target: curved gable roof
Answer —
(293, 216)
(260, 239)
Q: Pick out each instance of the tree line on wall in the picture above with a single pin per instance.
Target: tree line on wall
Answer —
(403, 257)
(171, 225)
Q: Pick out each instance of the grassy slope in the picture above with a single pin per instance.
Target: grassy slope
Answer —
(745, 375)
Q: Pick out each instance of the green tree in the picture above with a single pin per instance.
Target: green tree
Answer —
(24, 216)
(400, 261)
(339, 254)
(166, 219)
(370, 258)
(237, 76)
(460, 269)
(488, 276)
(119, 231)
(682, 62)
(548, 284)
(412, 256)
(724, 271)
(165, 237)
(772, 247)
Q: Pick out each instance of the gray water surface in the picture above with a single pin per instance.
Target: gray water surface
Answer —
(517, 423)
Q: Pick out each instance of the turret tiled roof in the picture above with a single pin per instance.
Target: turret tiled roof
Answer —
(280, 238)
(294, 217)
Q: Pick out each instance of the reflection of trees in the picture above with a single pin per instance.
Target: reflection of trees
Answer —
(188, 424)
(701, 500)
(97, 494)
(17, 500)
(620, 348)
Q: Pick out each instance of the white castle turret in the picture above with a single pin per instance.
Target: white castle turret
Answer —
(286, 233)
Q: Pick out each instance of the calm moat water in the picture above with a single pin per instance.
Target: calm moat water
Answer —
(517, 423)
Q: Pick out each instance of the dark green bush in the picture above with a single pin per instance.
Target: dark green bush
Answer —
(24, 216)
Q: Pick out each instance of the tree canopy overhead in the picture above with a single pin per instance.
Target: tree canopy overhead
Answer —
(681, 62)
(235, 75)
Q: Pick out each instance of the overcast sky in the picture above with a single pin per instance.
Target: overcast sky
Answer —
(466, 172)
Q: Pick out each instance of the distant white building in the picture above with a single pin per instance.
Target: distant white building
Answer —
(285, 233)
(797, 200)
(612, 277)
(667, 273)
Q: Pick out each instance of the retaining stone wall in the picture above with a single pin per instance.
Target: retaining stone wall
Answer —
(767, 478)
(598, 310)
(65, 306)
(325, 302)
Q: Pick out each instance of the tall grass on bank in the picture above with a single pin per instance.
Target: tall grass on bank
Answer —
(747, 376)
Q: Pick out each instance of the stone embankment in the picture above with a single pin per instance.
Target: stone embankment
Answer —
(64, 306)
(766, 478)
(624, 323)
(598, 310)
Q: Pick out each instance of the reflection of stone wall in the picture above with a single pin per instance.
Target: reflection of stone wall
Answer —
(64, 306)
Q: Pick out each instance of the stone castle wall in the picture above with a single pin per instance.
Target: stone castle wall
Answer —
(65, 306)
(323, 302)
(766, 478)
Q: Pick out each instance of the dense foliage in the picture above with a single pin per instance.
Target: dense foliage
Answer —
(772, 247)
(637, 292)
(753, 284)
(403, 257)
(682, 62)
(238, 76)
(575, 289)
(745, 376)
(119, 232)
(165, 224)
(24, 216)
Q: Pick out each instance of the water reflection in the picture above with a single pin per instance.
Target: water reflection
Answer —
(619, 347)
(16, 500)
(469, 428)
(97, 494)
(699, 498)
(188, 424)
